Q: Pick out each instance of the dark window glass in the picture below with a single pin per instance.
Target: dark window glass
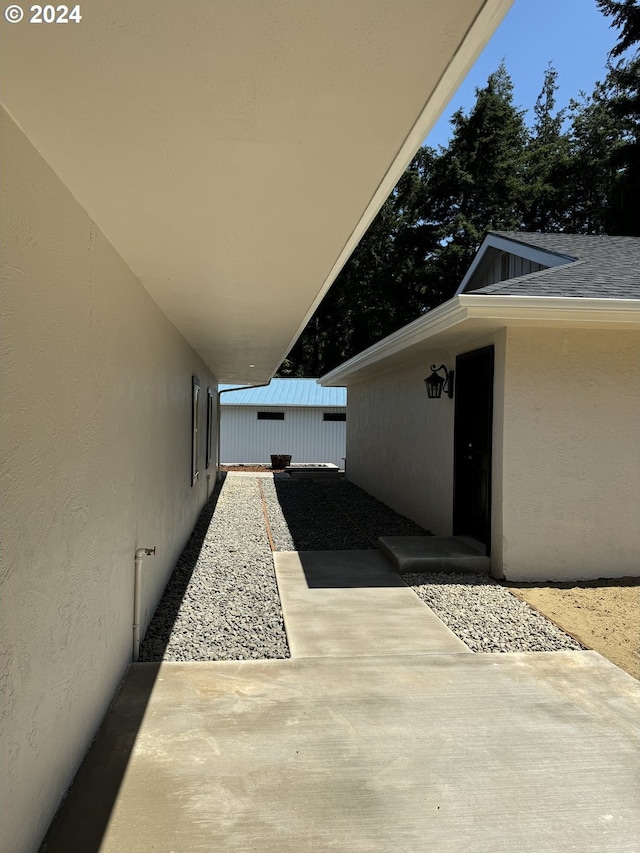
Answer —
(334, 416)
(209, 442)
(195, 423)
(270, 416)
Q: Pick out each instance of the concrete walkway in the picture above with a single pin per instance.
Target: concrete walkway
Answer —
(382, 734)
(354, 603)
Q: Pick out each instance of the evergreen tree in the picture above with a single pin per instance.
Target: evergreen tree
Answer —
(547, 163)
(478, 181)
(626, 17)
(593, 135)
(623, 98)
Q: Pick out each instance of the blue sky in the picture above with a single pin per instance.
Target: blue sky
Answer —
(572, 34)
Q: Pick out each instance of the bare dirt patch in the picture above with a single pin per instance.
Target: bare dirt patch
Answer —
(603, 615)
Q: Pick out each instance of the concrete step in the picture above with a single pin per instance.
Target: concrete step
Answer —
(435, 554)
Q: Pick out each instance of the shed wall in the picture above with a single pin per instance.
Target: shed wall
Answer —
(303, 434)
(96, 462)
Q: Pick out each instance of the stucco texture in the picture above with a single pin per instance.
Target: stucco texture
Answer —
(96, 455)
(565, 457)
(571, 456)
(400, 443)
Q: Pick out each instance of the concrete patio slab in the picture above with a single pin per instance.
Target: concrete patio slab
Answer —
(250, 474)
(435, 554)
(445, 753)
(351, 603)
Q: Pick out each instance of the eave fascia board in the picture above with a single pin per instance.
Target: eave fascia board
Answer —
(543, 309)
(506, 244)
(475, 40)
(499, 311)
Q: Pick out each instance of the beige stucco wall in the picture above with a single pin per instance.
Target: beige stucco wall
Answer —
(571, 454)
(96, 446)
(566, 455)
(400, 443)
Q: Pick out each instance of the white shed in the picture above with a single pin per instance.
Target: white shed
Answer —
(297, 417)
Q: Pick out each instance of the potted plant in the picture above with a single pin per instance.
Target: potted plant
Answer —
(280, 460)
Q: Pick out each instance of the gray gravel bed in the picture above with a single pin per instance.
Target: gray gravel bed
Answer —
(308, 515)
(486, 616)
(222, 600)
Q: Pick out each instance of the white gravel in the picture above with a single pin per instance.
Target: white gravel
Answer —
(222, 602)
(486, 616)
(308, 515)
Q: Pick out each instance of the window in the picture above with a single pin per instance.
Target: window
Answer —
(270, 416)
(334, 416)
(195, 420)
(210, 410)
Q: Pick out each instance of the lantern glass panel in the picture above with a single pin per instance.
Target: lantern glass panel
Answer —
(434, 386)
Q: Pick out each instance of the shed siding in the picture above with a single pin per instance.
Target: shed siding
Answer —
(303, 434)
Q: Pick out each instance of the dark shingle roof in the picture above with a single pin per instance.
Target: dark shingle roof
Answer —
(598, 267)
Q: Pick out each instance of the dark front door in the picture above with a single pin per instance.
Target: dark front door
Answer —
(472, 445)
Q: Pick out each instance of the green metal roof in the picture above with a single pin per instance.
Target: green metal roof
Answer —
(284, 392)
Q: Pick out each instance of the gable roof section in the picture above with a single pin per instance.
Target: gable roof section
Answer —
(595, 283)
(285, 392)
(585, 266)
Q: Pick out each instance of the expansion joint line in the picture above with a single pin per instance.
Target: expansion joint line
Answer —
(266, 516)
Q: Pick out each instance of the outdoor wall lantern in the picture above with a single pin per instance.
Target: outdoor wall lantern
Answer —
(436, 384)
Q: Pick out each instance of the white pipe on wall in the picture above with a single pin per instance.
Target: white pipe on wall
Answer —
(141, 553)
